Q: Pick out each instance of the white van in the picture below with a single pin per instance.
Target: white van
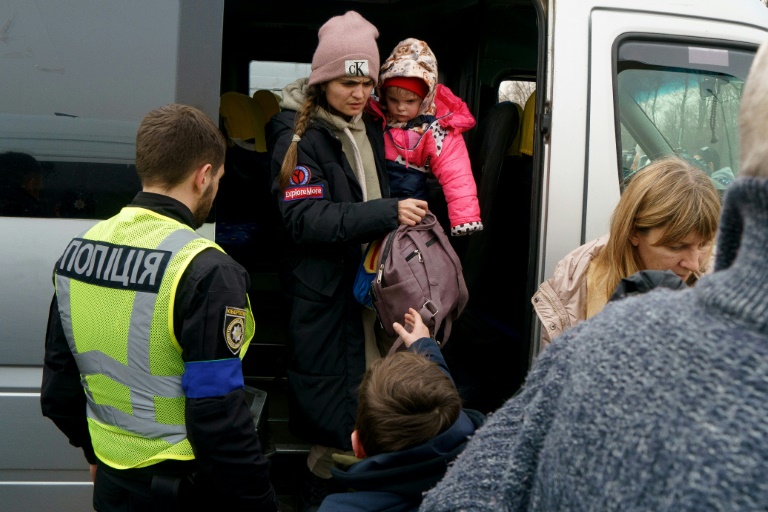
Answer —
(614, 80)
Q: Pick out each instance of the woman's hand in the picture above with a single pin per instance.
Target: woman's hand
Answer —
(410, 211)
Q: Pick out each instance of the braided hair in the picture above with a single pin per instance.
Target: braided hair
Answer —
(304, 116)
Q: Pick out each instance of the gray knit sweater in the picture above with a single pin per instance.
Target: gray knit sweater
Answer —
(660, 402)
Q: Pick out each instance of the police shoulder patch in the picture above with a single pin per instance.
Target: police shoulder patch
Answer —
(234, 328)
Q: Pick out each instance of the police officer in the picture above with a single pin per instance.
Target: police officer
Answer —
(153, 320)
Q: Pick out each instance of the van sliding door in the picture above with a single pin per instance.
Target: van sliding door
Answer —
(77, 78)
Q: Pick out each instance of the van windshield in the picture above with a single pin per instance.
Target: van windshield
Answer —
(681, 99)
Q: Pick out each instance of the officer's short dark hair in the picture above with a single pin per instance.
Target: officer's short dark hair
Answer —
(173, 141)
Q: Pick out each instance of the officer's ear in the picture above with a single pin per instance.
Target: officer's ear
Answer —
(203, 176)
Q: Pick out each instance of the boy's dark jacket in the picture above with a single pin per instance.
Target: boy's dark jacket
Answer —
(396, 481)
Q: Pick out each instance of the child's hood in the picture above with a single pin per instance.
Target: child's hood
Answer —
(413, 470)
(413, 58)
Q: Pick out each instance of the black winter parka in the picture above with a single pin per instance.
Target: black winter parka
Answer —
(327, 221)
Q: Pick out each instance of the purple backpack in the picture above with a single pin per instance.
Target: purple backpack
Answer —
(419, 268)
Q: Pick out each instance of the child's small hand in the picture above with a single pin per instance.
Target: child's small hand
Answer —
(414, 328)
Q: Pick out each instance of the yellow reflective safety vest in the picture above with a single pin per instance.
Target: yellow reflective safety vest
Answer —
(116, 287)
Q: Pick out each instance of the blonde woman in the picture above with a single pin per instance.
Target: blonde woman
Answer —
(666, 219)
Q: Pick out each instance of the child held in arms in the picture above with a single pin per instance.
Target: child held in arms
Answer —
(423, 136)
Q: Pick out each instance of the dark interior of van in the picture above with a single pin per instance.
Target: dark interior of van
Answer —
(478, 44)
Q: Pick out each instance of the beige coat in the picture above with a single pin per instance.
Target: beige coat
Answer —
(561, 301)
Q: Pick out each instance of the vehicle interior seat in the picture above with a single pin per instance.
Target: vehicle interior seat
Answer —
(247, 220)
(527, 126)
(489, 141)
(240, 118)
(249, 228)
(270, 105)
(494, 263)
(516, 178)
(514, 148)
(495, 134)
(248, 223)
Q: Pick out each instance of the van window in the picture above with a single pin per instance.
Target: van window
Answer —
(680, 99)
(516, 91)
(75, 110)
(65, 167)
(274, 76)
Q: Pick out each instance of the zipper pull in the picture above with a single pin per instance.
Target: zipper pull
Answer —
(413, 253)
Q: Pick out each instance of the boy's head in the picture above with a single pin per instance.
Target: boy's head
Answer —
(404, 400)
(403, 96)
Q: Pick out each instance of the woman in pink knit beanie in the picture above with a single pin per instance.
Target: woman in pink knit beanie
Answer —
(330, 180)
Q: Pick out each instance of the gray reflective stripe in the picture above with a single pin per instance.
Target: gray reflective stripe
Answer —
(62, 296)
(144, 305)
(177, 240)
(95, 362)
(148, 429)
(142, 390)
(138, 330)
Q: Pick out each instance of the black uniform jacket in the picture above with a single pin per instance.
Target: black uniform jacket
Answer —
(228, 457)
(327, 221)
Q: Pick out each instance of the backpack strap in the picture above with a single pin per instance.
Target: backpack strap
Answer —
(385, 253)
(428, 310)
(396, 345)
(446, 318)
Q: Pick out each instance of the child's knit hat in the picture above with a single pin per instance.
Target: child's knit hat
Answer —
(410, 83)
(346, 47)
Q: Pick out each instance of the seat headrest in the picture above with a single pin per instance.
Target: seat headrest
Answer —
(514, 148)
(243, 121)
(495, 133)
(268, 101)
(526, 131)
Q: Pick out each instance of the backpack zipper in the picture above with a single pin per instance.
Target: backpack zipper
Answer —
(431, 241)
(414, 253)
(384, 254)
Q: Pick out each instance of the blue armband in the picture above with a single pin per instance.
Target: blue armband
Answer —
(205, 379)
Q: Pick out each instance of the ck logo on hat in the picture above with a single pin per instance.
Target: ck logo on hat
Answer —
(356, 67)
